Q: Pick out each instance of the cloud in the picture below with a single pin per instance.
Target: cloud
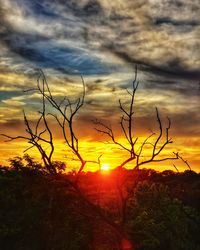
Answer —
(14, 101)
(135, 32)
(168, 21)
(103, 40)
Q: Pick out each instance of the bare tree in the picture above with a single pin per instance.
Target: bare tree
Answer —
(40, 137)
(131, 145)
(65, 112)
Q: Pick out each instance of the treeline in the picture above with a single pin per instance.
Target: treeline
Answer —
(39, 211)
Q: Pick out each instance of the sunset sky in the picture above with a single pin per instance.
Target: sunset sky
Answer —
(102, 41)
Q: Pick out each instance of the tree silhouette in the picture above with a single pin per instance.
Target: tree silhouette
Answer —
(41, 136)
(131, 145)
(127, 127)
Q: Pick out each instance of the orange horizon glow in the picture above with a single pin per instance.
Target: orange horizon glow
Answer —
(111, 156)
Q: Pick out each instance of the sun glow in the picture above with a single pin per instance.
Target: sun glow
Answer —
(105, 167)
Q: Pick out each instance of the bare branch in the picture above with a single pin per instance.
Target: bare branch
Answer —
(126, 124)
(105, 129)
(185, 161)
(10, 138)
(122, 108)
(124, 129)
(176, 168)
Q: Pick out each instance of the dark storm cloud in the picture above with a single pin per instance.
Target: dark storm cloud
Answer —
(92, 8)
(184, 88)
(168, 21)
(173, 67)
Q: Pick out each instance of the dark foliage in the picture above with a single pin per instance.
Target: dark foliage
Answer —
(39, 211)
(158, 222)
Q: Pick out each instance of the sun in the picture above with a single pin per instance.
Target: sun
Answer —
(105, 167)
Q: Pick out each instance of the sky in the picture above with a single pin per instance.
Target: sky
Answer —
(103, 41)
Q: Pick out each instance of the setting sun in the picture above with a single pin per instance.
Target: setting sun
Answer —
(105, 167)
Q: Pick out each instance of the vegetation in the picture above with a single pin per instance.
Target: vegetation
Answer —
(40, 211)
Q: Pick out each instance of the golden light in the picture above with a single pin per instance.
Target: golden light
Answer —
(105, 167)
